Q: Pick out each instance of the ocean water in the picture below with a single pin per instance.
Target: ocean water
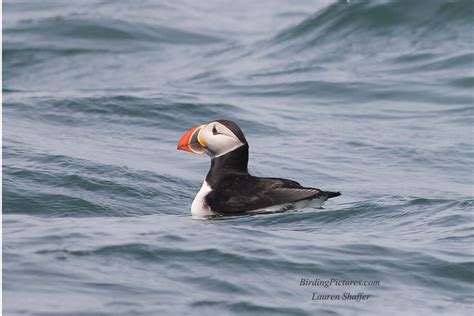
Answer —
(373, 99)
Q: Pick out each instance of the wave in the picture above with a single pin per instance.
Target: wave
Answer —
(429, 266)
(350, 21)
(66, 186)
(105, 30)
(371, 39)
(120, 109)
(397, 212)
(151, 112)
(35, 41)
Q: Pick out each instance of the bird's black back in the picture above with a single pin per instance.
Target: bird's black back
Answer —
(234, 190)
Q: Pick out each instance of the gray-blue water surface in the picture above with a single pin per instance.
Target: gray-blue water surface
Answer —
(373, 99)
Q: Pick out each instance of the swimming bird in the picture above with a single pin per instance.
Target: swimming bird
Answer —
(229, 188)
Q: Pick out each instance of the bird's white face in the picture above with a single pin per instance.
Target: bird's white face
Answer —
(214, 139)
(217, 139)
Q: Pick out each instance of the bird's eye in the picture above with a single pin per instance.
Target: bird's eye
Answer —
(214, 131)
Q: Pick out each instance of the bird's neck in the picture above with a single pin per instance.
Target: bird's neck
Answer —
(231, 163)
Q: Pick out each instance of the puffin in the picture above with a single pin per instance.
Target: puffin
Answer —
(228, 188)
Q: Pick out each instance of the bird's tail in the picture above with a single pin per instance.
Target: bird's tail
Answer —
(331, 194)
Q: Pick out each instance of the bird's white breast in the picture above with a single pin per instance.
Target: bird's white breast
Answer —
(199, 208)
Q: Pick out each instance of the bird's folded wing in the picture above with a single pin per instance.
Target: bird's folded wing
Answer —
(287, 195)
(228, 203)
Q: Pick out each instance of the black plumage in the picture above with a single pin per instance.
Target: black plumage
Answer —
(234, 190)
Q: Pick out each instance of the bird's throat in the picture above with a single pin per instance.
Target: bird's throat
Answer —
(233, 162)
